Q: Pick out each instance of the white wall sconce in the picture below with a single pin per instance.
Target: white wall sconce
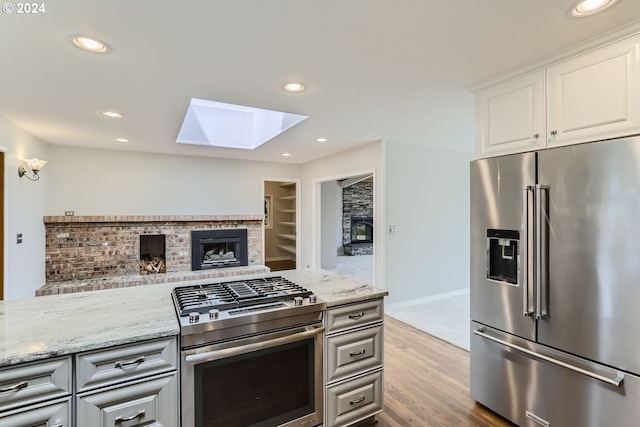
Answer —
(35, 165)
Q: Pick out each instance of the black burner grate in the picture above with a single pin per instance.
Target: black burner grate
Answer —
(236, 294)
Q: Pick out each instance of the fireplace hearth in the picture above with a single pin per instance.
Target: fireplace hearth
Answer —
(218, 248)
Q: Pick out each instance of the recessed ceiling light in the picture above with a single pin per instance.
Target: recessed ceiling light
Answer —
(322, 139)
(122, 140)
(286, 154)
(294, 87)
(590, 7)
(89, 44)
(112, 114)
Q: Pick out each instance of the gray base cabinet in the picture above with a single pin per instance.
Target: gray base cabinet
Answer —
(49, 414)
(150, 402)
(354, 350)
(132, 385)
(36, 394)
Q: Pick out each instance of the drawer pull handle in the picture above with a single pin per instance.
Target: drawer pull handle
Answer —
(356, 316)
(14, 387)
(130, 363)
(360, 353)
(355, 402)
(121, 419)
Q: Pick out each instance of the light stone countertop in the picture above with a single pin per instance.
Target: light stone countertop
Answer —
(56, 325)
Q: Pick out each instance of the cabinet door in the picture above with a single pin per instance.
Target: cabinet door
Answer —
(151, 403)
(50, 414)
(510, 116)
(596, 95)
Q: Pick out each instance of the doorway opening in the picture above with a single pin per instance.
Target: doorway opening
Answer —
(347, 226)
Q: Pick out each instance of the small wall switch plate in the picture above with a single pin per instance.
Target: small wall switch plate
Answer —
(19, 238)
(68, 213)
(392, 229)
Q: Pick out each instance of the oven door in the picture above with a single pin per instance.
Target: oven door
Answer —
(272, 379)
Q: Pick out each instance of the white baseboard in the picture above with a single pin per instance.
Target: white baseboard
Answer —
(422, 300)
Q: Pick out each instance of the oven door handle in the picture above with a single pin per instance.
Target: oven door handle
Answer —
(233, 351)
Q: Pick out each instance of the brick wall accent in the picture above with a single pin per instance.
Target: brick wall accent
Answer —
(87, 247)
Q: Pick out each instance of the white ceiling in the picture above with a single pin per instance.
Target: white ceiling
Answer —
(375, 69)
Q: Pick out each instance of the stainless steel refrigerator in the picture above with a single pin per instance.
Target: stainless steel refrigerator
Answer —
(555, 285)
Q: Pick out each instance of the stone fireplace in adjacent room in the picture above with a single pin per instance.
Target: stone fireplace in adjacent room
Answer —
(84, 253)
(357, 218)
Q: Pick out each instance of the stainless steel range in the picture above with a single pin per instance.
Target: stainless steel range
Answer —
(251, 354)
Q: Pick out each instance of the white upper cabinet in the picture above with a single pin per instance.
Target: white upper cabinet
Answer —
(510, 116)
(587, 97)
(595, 95)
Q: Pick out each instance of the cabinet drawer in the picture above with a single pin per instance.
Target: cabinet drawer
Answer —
(352, 315)
(354, 352)
(354, 400)
(150, 402)
(50, 414)
(33, 382)
(106, 367)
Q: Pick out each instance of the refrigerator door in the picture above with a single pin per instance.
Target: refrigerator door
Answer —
(591, 216)
(502, 243)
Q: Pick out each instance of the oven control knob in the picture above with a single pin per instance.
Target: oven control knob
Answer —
(214, 313)
(194, 317)
(298, 301)
(313, 299)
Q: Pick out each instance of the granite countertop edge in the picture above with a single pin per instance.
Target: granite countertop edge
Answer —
(44, 327)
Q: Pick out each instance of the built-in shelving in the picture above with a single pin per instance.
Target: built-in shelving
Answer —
(287, 236)
(287, 223)
(288, 198)
(288, 248)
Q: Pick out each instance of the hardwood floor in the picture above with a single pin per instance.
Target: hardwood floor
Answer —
(427, 383)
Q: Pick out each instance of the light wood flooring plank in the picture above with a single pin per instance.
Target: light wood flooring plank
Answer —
(427, 383)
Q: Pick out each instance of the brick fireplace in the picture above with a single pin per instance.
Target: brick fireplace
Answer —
(101, 252)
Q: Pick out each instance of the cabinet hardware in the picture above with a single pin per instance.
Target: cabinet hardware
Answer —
(356, 316)
(121, 419)
(360, 353)
(554, 132)
(14, 387)
(536, 136)
(129, 364)
(354, 402)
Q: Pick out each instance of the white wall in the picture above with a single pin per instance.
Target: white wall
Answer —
(329, 224)
(364, 159)
(103, 182)
(25, 204)
(427, 200)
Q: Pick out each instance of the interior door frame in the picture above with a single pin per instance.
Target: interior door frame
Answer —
(298, 182)
(2, 224)
(378, 221)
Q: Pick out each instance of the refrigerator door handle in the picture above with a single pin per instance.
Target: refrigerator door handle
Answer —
(617, 381)
(527, 261)
(541, 249)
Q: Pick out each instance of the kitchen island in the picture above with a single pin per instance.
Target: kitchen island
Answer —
(112, 355)
(56, 325)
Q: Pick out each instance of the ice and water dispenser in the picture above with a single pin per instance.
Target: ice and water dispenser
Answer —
(502, 255)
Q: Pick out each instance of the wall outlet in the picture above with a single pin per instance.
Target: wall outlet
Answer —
(68, 213)
(392, 229)
(19, 238)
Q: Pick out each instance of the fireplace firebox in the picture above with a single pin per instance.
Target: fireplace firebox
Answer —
(218, 248)
(361, 229)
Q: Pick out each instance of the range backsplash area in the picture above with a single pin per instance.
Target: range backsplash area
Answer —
(84, 253)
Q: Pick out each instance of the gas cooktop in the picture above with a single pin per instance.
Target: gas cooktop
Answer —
(235, 294)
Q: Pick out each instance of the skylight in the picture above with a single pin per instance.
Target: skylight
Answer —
(217, 124)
